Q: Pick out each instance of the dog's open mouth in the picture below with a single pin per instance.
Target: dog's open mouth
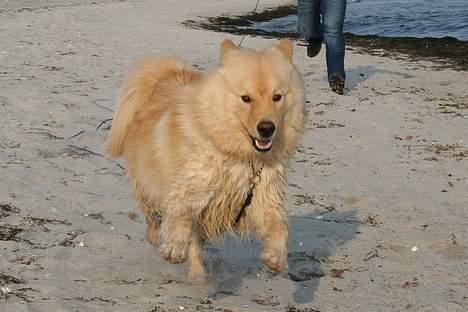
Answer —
(262, 145)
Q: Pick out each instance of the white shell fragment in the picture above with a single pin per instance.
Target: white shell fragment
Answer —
(5, 290)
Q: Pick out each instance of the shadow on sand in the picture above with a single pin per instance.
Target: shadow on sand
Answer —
(357, 75)
(313, 238)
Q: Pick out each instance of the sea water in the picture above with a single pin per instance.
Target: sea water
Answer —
(394, 18)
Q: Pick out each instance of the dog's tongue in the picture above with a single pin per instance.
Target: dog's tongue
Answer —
(263, 143)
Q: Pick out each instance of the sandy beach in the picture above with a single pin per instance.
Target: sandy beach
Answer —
(377, 191)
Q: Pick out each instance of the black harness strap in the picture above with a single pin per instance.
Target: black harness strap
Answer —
(254, 179)
(246, 204)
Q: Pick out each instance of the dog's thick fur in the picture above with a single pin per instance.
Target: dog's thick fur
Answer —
(189, 140)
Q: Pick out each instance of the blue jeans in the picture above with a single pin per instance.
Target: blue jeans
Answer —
(328, 28)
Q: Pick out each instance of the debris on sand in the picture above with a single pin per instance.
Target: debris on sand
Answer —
(69, 241)
(371, 220)
(7, 209)
(291, 308)
(328, 124)
(42, 222)
(410, 284)
(371, 254)
(266, 300)
(8, 232)
(306, 274)
(313, 200)
(446, 150)
(97, 216)
(95, 299)
(337, 273)
(6, 279)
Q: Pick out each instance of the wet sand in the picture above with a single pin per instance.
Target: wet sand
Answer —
(377, 193)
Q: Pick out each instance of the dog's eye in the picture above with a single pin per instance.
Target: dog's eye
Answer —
(246, 98)
(277, 97)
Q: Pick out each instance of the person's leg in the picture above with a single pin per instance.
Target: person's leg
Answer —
(308, 14)
(333, 14)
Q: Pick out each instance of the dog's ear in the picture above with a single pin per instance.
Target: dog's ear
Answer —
(227, 46)
(286, 48)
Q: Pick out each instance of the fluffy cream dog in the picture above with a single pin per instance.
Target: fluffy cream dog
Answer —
(207, 153)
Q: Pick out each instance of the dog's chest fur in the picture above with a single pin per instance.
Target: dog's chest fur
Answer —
(226, 194)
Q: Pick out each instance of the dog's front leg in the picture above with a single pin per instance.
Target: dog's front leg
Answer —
(273, 232)
(196, 269)
(175, 234)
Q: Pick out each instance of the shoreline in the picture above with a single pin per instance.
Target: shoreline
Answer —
(445, 52)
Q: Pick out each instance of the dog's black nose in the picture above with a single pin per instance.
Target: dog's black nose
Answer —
(266, 128)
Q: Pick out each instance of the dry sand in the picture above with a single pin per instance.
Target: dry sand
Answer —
(378, 190)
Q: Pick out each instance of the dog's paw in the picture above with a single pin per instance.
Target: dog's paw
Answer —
(196, 277)
(152, 234)
(275, 261)
(174, 251)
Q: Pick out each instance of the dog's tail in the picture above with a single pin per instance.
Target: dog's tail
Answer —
(155, 74)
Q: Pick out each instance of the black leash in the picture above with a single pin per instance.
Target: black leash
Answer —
(252, 12)
(253, 175)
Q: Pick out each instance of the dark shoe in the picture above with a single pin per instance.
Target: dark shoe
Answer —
(314, 47)
(336, 84)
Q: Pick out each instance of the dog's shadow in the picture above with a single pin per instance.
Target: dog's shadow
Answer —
(313, 238)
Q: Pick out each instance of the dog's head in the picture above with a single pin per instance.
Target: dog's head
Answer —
(258, 101)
